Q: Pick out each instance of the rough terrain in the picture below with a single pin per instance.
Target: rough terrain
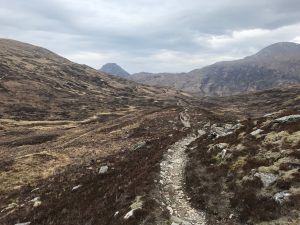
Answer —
(172, 172)
(138, 154)
(37, 84)
(249, 175)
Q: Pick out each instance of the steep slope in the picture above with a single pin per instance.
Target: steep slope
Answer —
(114, 69)
(37, 84)
(277, 65)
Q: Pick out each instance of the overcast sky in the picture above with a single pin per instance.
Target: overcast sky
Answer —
(151, 35)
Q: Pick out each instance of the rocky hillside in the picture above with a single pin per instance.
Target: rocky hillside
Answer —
(114, 69)
(249, 174)
(277, 65)
(82, 147)
(36, 84)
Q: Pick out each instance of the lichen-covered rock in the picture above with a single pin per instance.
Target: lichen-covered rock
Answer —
(266, 178)
(282, 196)
(103, 169)
(139, 145)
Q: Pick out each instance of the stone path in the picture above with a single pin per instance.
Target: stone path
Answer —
(172, 185)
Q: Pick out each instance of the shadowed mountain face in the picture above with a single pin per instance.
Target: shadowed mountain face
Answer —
(37, 84)
(277, 65)
(114, 69)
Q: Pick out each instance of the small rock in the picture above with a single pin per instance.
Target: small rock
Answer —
(103, 169)
(281, 197)
(76, 187)
(170, 210)
(139, 145)
(224, 130)
(266, 178)
(129, 214)
(201, 132)
(36, 201)
(36, 189)
(37, 204)
(256, 132)
(26, 223)
(240, 147)
(270, 114)
(224, 151)
(221, 145)
(185, 119)
(290, 118)
(207, 125)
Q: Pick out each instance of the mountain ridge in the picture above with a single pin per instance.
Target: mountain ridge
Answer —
(277, 65)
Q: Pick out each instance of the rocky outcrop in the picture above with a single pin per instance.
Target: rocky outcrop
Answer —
(257, 164)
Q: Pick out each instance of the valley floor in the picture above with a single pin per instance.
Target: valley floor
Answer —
(150, 167)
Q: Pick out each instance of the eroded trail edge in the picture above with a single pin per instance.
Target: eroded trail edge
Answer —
(172, 184)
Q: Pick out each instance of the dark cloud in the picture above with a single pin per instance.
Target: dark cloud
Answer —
(151, 35)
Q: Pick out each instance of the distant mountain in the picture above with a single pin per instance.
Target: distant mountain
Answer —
(277, 65)
(114, 69)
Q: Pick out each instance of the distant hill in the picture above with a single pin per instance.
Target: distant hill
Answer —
(37, 84)
(277, 65)
(114, 69)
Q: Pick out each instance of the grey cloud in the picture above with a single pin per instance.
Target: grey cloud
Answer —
(137, 32)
